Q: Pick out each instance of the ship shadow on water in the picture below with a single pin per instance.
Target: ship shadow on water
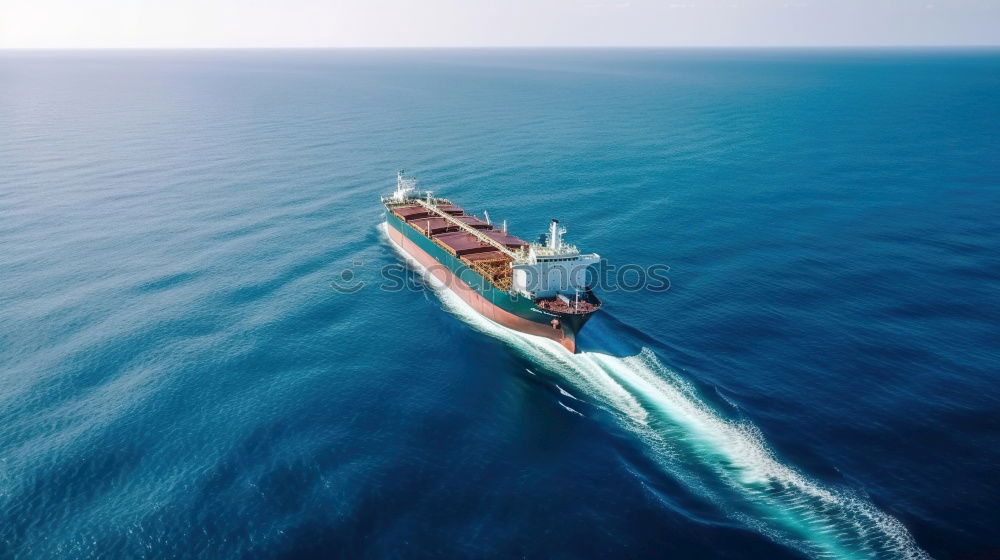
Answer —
(607, 334)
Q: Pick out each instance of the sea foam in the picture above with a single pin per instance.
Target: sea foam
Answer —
(678, 427)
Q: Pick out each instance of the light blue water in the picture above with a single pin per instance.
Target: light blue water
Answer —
(179, 378)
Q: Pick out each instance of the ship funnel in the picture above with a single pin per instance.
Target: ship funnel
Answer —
(555, 235)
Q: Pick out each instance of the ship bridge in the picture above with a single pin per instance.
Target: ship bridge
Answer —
(555, 271)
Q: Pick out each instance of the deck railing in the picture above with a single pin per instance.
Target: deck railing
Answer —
(469, 229)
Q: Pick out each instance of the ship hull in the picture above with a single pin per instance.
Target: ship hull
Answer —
(501, 307)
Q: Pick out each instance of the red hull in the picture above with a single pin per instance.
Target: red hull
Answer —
(483, 306)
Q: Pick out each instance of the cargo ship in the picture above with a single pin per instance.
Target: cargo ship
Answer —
(538, 288)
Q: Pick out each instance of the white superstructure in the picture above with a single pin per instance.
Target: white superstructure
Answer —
(552, 268)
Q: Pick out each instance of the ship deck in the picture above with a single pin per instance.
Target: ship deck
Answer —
(587, 303)
(487, 259)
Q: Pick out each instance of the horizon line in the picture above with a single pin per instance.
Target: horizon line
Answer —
(513, 47)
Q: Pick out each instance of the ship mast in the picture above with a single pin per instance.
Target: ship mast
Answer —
(404, 186)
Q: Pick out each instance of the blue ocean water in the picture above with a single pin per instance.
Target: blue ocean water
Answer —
(178, 377)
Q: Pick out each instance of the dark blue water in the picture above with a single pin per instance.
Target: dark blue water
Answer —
(178, 378)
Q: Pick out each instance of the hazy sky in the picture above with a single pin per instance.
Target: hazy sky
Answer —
(430, 23)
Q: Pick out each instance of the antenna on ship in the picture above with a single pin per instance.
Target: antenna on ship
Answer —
(503, 228)
(486, 215)
(403, 186)
(429, 198)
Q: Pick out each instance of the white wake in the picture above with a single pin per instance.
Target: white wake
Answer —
(709, 453)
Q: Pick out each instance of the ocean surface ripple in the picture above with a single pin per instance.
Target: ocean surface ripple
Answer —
(180, 379)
